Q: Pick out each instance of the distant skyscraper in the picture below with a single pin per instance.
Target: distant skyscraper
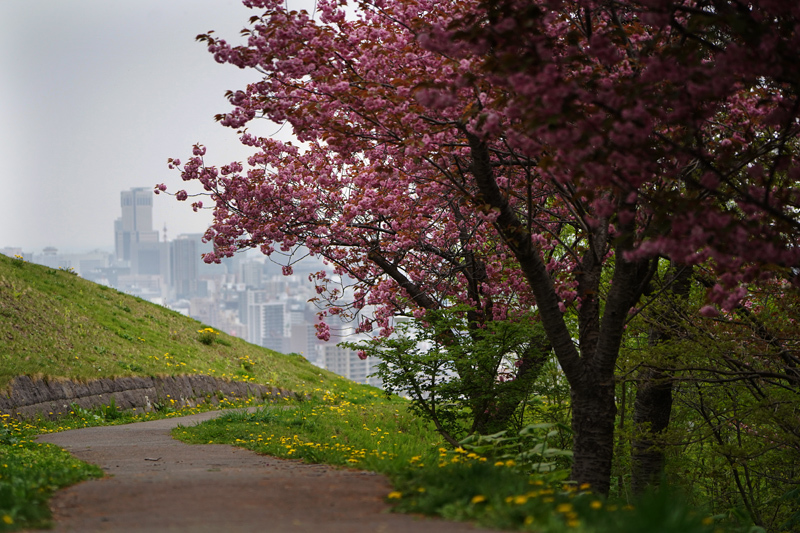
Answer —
(345, 362)
(265, 321)
(252, 273)
(136, 227)
(183, 266)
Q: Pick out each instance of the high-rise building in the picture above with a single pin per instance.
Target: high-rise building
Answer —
(273, 335)
(183, 267)
(227, 266)
(135, 227)
(252, 273)
(345, 362)
(265, 321)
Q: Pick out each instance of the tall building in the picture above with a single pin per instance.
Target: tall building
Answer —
(183, 267)
(252, 273)
(265, 321)
(204, 270)
(134, 236)
(345, 362)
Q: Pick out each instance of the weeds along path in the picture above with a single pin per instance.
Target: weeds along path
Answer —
(157, 484)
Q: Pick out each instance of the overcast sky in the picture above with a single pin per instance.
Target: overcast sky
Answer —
(95, 95)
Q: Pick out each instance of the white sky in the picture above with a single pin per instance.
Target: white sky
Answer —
(95, 95)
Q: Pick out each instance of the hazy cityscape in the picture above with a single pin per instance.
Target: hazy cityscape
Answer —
(244, 296)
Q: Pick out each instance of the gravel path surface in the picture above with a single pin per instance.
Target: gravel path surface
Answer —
(157, 484)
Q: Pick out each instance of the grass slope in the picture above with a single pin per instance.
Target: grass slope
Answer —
(55, 324)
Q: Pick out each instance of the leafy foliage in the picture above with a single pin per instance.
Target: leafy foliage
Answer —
(528, 450)
(462, 377)
(734, 440)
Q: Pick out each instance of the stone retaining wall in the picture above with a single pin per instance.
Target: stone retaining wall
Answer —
(25, 397)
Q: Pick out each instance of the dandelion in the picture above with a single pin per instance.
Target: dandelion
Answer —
(478, 498)
(596, 504)
(394, 495)
(564, 508)
(7, 519)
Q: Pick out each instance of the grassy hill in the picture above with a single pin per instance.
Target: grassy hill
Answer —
(55, 324)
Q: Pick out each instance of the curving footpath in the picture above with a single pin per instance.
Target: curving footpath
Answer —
(157, 484)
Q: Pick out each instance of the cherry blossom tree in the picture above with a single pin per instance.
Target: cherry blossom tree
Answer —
(511, 155)
(678, 119)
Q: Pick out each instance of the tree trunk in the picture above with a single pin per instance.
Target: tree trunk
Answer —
(651, 414)
(593, 415)
(653, 406)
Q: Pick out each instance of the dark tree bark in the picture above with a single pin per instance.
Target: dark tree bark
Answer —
(593, 415)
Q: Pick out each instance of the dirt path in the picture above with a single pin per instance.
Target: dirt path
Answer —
(158, 484)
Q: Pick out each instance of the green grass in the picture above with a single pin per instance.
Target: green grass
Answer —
(353, 425)
(57, 325)
(30, 472)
